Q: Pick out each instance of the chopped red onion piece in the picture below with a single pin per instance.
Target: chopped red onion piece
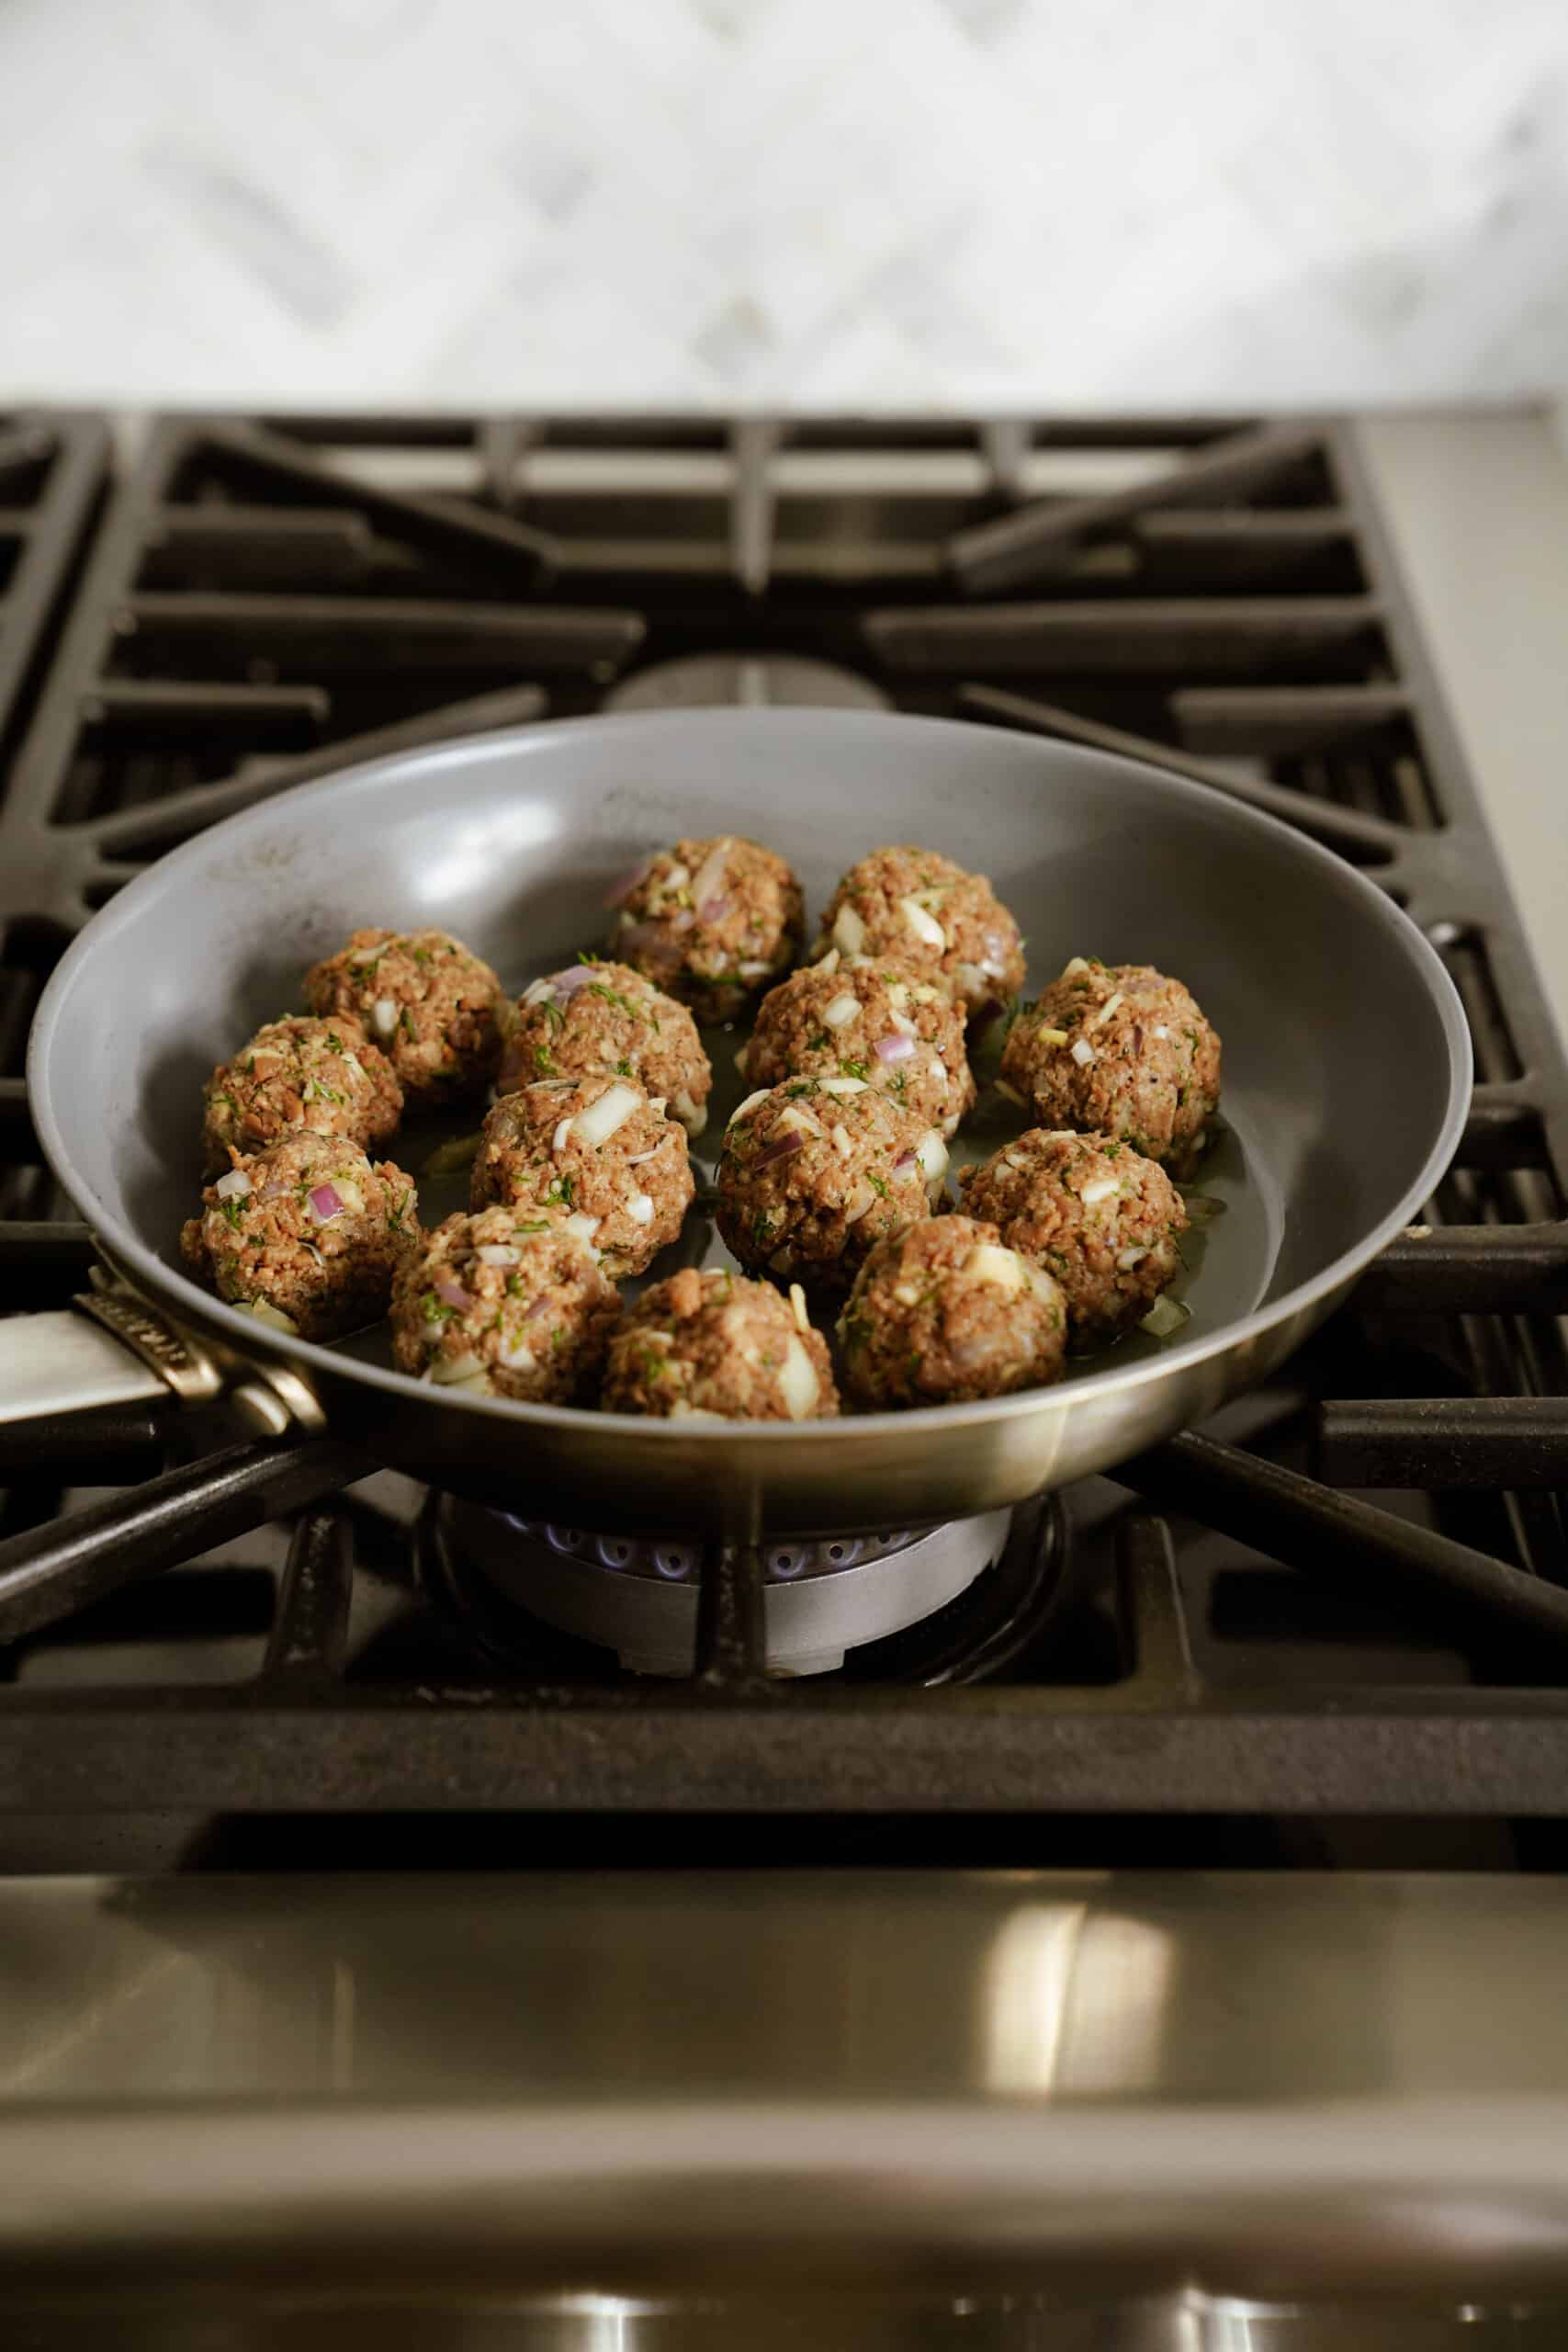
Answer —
(625, 888)
(540, 1306)
(715, 909)
(905, 1160)
(453, 1294)
(325, 1204)
(567, 983)
(652, 939)
(895, 1049)
(232, 1187)
(781, 1148)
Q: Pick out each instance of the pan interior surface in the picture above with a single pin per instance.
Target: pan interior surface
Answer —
(1346, 1060)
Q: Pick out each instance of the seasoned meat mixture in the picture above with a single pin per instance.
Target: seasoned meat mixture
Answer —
(1097, 1215)
(599, 1151)
(713, 921)
(1120, 1050)
(716, 1346)
(307, 1234)
(869, 1018)
(919, 908)
(604, 1020)
(944, 1312)
(323, 1076)
(509, 1304)
(428, 1002)
(814, 1171)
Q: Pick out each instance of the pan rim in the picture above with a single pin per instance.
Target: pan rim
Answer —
(189, 1301)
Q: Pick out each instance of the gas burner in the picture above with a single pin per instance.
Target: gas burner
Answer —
(753, 679)
(936, 1603)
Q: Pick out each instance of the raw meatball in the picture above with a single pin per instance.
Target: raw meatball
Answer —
(919, 907)
(307, 1234)
(817, 1171)
(1094, 1212)
(1118, 1050)
(599, 1151)
(601, 1020)
(323, 1076)
(944, 1311)
(716, 1345)
(515, 1305)
(426, 1000)
(876, 1020)
(715, 922)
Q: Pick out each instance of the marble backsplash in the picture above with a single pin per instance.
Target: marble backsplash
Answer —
(877, 203)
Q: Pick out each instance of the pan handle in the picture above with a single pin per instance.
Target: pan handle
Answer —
(111, 1360)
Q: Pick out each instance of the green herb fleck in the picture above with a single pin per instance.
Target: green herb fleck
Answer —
(624, 1068)
(543, 1061)
(434, 1309)
(560, 1189)
(232, 1212)
(819, 1043)
(877, 1186)
(849, 1066)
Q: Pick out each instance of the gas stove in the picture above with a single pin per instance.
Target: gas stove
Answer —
(1329, 1626)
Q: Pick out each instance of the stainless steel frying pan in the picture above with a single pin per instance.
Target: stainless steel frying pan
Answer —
(1346, 1073)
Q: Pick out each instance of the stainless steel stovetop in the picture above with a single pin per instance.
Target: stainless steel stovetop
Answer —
(983, 2102)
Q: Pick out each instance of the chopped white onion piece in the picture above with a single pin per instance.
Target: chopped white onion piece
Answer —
(848, 932)
(640, 1208)
(1166, 1316)
(448, 1370)
(987, 1264)
(906, 1293)
(1161, 1031)
(754, 971)
(841, 1143)
(1104, 1188)
(842, 1010)
(798, 1382)
(351, 1196)
(693, 1115)
(931, 1153)
(711, 877)
(842, 1085)
(796, 1120)
(751, 1103)
(537, 991)
(558, 1141)
(1112, 1005)
(939, 1071)
(384, 1013)
(602, 1119)
(1011, 1159)
(828, 962)
(273, 1316)
(861, 1201)
(583, 1226)
(232, 1187)
(901, 1021)
(1127, 1259)
(680, 1412)
(519, 1357)
(1083, 1052)
(1049, 1036)
(1079, 964)
(798, 1307)
(925, 926)
(496, 1253)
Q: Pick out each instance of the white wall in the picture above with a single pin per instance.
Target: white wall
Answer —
(888, 202)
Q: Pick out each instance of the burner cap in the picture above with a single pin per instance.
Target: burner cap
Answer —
(700, 679)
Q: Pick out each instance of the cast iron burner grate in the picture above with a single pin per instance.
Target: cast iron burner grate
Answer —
(1345, 1597)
